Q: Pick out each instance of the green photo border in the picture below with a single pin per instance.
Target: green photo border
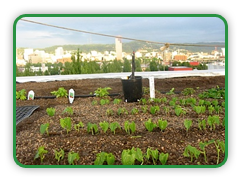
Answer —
(120, 15)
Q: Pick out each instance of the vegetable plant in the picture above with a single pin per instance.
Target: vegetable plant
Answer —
(202, 146)
(103, 157)
(50, 111)
(134, 111)
(104, 125)
(162, 124)
(66, 123)
(41, 152)
(59, 155)
(109, 112)
(163, 157)
(68, 110)
(44, 128)
(154, 109)
(220, 146)
(21, 94)
(92, 128)
(166, 109)
(171, 91)
(210, 109)
(202, 124)
(179, 111)
(78, 126)
(217, 109)
(102, 92)
(122, 111)
(129, 127)
(143, 101)
(117, 101)
(149, 125)
(199, 109)
(213, 121)
(154, 154)
(188, 91)
(187, 124)
(73, 157)
(104, 101)
(129, 156)
(94, 102)
(144, 108)
(113, 126)
(192, 152)
(61, 92)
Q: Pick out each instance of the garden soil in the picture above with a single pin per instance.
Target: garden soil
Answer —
(172, 140)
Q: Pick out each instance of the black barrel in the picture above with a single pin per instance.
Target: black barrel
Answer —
(132, 89)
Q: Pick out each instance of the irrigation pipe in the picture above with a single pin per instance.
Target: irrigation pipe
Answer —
(76, 96)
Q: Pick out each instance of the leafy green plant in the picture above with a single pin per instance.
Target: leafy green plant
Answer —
(73, 157)
(179, 111)
(94, 102)
(163, 157)
(109, 112)
(192, 152)
(220, 146)
(199, 109)
(172, 103)
(143, 101)
(187, 124)
(202, 124)
(104, 125)
(171, 92)
(21, 94)
(129, 127)
(66, 123)
(134, 111)
(162, 124)
(104, 101)
(129, 156)
(113, 126)
(122, 111)
(218, 109)
(149, 125)
(166, 109)
(154, 109)
(154, 154)
(59, 155)
(211, 109)
(68, 110)
(92, 128)
(215, 93)
(188, 91)
(103, 157)
(201, 102)
(50, 111)
(44, 128)
(78, 126)
(117, 101)
(202, 146)
(102, 92)
(144, 109)
(163, 100)
(41, 152)
(213, 121)
(61, 92)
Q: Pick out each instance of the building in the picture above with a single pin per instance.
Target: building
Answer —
(28, 52)
(118, 47)
(180, 57)
(179, 68)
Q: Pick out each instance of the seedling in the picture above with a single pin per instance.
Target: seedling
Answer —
(21, 94)
(66, 123)
(104, 101)
(102, 92)
(192, 152)
(41, 153)
(202, 146)
(144, 108)
(166, 109)
(50, 111)
(219, 146)
(163, 157)
(68, 110)
(187, 124)
(143, 101)
(61, 92)
(218, 109)
(154, 154)
(59, 155)
(94, 102)
(202, 124)
(104, 125)
(109, 112)
(128, 156)
(44, 128)
(188, 91)
(179, 111)
(134, 111)
(92, 128)
(154, 109)
(122, 111)
(103, 157)
(213, 121)
(117, 101)
(211, 109)
(162, 124)
(113, 126)
(78, 126)
(171, 91)
(129, 127)
(149, 125)
(73, 157)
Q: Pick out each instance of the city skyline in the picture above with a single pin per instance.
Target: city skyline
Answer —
(162, 29)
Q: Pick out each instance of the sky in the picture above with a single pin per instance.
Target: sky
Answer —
(161, 29)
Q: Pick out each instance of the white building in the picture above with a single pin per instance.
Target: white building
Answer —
(28, 52)
(59, 52)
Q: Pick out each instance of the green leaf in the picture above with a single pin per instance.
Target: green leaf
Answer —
(163, 158)
(104, 125)
(162, 124)
(110, 159)
(149, 125)
(114, 126)
(66, 123)
(188, 124)
(73, 157)
(44, 128)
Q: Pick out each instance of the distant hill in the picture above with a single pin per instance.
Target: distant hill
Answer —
(132, 46)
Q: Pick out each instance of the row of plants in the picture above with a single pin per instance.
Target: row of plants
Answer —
(136, 156)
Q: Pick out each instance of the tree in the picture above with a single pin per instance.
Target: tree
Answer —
(153, 66)
(127, 66)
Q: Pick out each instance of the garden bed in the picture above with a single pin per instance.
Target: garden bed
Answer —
(173, 140)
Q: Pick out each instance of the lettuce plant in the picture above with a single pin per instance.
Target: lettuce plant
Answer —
(163, 157)
(44, 128)
(72, 157)
(162, 124)
(104, 125)
(154, 109)
(117, 101)
(68, 110)
(134, 111)
(59, 155)
(213, 121)
(61, 92)
(50, 111)
(122, 111)
(149, 125)
(102, 92)
(187, 124)
(154, 154)
(103, 157)
(109, 112)
(179, 111)
(21, 94)
(78, 126)
(202, 124)
(192, 152)
(129, 127)
(113, 126)
(66, 123)
(92, 128)
(41, 152)
(128, 156)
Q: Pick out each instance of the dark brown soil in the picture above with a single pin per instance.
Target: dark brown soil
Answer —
(173, 140)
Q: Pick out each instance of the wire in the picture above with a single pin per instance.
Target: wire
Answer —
(126, 38)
